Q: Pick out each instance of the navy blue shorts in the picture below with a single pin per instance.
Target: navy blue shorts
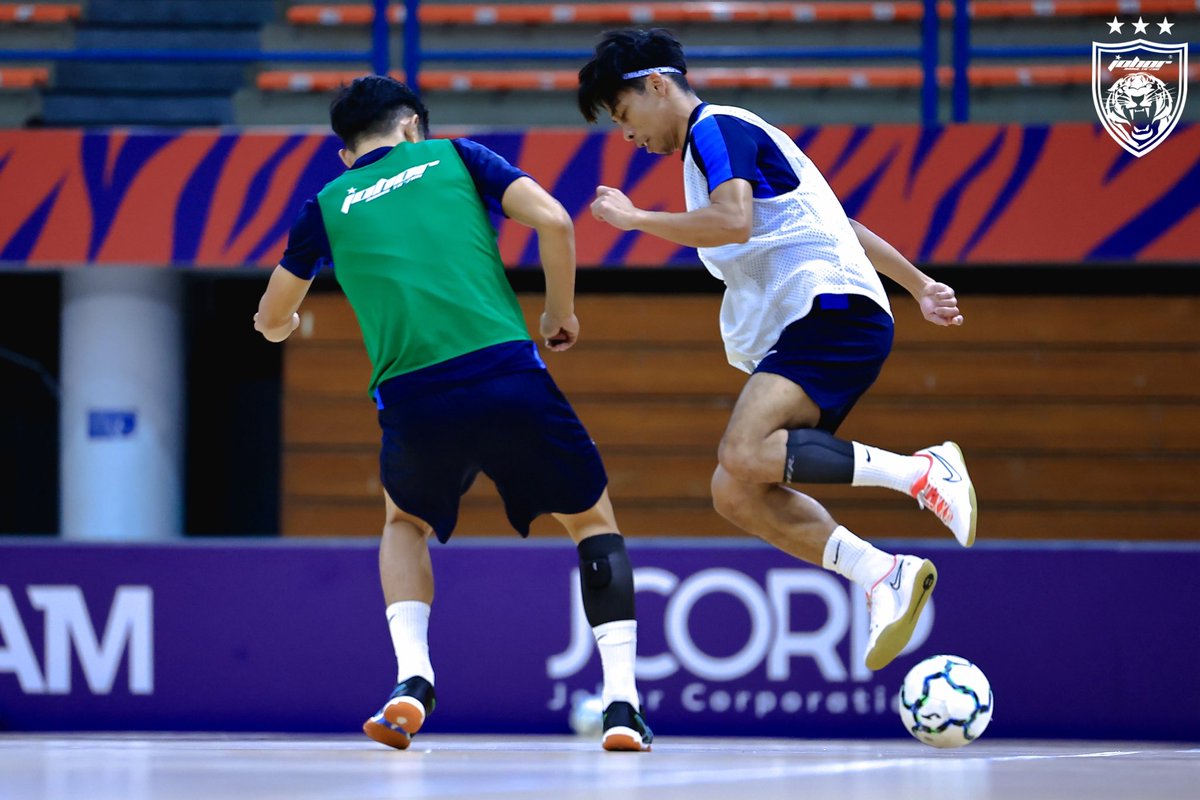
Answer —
(516, 428)
(834, 353)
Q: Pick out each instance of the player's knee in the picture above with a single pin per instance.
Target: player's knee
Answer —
(598, 519)
(729, 495)
(403, 529)
(739, 458)
(397, 522)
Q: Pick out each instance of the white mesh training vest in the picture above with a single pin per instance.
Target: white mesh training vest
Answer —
(801, 246)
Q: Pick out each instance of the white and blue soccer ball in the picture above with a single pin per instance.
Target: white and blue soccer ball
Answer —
(587, 716)
(946, 701)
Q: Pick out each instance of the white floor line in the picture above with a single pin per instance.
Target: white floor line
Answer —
(1106, 754)
(684, 776)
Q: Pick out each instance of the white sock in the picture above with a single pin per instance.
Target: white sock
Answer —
(617, 642)
(858, 561)
(875, 467)
(408, 622)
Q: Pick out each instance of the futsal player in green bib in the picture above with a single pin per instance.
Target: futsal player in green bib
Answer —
(458, 383)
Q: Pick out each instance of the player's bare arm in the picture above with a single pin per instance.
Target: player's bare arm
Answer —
(277, 313)
(728, 220)
(938, 302)
(529, 204)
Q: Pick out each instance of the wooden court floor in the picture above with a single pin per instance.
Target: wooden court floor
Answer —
(241, 767)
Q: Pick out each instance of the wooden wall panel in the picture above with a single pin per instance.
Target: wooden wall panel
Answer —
(1080, 417)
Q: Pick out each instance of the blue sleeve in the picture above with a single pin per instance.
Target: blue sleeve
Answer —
(491, 173)
(724, 149)
(308, 244)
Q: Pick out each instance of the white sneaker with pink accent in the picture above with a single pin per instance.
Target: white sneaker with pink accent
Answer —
(895, 603)
(947, 491)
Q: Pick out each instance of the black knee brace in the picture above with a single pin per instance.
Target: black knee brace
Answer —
(605, 578)
(815, 456)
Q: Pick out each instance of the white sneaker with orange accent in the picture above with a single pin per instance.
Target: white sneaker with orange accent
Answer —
(403, 714)
(895, 603)
(625, 728)
(947, 491)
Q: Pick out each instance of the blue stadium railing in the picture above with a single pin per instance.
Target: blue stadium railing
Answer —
(927, 53)
(963, 53)
(414, 55)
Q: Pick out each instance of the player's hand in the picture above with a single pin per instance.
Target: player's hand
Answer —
(280, 333)
(939, 305)
(612, 206)
(559, 333)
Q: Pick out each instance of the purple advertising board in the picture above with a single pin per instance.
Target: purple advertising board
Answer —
(1093, 641)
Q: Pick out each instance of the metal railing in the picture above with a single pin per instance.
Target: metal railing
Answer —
(926, 53)
(415, 55)
(962, 54)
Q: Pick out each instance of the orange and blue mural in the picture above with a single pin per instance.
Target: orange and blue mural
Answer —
(973, 194)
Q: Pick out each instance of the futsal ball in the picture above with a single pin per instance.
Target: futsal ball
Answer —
(946, 701)
(587, 716)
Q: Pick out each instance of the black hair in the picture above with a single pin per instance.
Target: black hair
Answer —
(372, 105)
(621, 52)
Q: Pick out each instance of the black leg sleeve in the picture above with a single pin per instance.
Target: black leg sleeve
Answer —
(815, 456)
(606, 579)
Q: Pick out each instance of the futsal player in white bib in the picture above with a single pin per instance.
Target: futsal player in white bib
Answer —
(804, 313)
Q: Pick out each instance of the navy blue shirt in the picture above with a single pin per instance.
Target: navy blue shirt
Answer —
(308, 245)
(726, 147)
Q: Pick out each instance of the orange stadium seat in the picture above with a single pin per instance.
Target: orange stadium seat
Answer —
(43, 13)
(996, 75)
(736, 11)
(1076, 8)
(23, 77)
(550, 79)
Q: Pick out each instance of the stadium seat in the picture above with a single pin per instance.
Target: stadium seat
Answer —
(678, 12)
(37, 13)
(23, 77)
(851, 12)
(993, 75)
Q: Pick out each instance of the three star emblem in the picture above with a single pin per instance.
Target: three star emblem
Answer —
(1140, 26)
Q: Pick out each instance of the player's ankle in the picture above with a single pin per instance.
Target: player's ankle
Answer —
(857, 560)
